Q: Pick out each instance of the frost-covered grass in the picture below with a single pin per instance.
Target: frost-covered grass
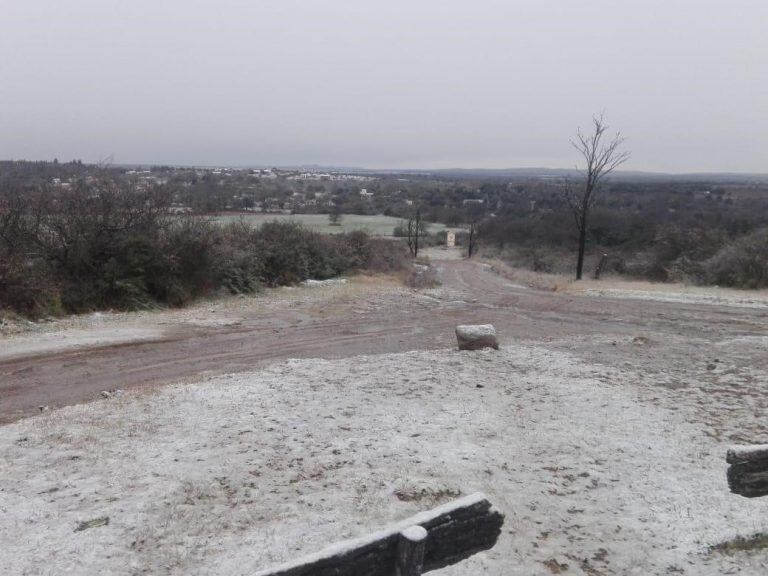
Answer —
(376, 225)
(624, 288)
(676, 294)
(595, 468)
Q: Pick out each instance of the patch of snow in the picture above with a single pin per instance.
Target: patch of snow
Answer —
(235, 473)
(410, 528)
(415, 533)
(329, 282)
(714, 299)
(761, 341)
(473, 331)
(49, 342)
(216, 321)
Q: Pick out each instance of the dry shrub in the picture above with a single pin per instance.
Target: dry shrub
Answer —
(26, 290)
(543, 259)
(384, 254)
(742, 264)
(421, 276)
(116, 247)
(290, 253)
(524, 277)
(678, 252)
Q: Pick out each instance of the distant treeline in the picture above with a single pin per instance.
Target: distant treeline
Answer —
(708, 232)
(691, 232)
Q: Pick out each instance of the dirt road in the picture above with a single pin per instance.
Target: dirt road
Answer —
(650, 335)
(599, 427)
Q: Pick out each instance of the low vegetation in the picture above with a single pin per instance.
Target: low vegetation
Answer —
(754, 543)
(422, 275)
(706, 230)
(108, 245)
(662, 233)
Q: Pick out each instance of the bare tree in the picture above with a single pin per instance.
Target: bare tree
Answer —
(602, 157)
(13, 222)
(335, 215)
(415, 228)
(472, 239)
(475, 215)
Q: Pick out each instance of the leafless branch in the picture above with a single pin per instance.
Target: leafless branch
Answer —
(601, 157)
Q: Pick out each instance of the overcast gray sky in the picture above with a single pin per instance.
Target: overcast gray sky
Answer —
(385, 84)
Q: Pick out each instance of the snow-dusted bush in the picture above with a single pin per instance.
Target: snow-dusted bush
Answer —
(742, 264)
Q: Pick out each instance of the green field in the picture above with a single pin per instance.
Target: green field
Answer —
(378, 225)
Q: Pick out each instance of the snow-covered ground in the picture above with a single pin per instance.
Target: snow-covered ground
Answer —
(627, 289)
(20, 337)
(71, 339)
(681, 295)
(596, 468)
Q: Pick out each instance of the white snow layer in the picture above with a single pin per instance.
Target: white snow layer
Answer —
(595, 468)
(409, 528)
(471, 331)
(329, 282)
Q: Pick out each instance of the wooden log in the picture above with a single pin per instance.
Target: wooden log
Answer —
(749, 453)
(748, 471)
(410, 551)
(456, 531)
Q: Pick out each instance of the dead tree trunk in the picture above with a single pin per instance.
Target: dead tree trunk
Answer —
(600, 266)
(416, 239)
(410, 551)
(601, 159)
(472, 240)
(582, 245)
(414, 230)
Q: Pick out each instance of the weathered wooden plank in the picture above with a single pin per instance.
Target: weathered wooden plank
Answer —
(456, 531)
(749, 453)
(748, 470)
(410, 551)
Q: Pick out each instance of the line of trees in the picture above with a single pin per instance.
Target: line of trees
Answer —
(695, 232)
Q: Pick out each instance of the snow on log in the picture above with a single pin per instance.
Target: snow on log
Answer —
(410, 551)
(748, 470)
(455, 531)
(475, 337)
